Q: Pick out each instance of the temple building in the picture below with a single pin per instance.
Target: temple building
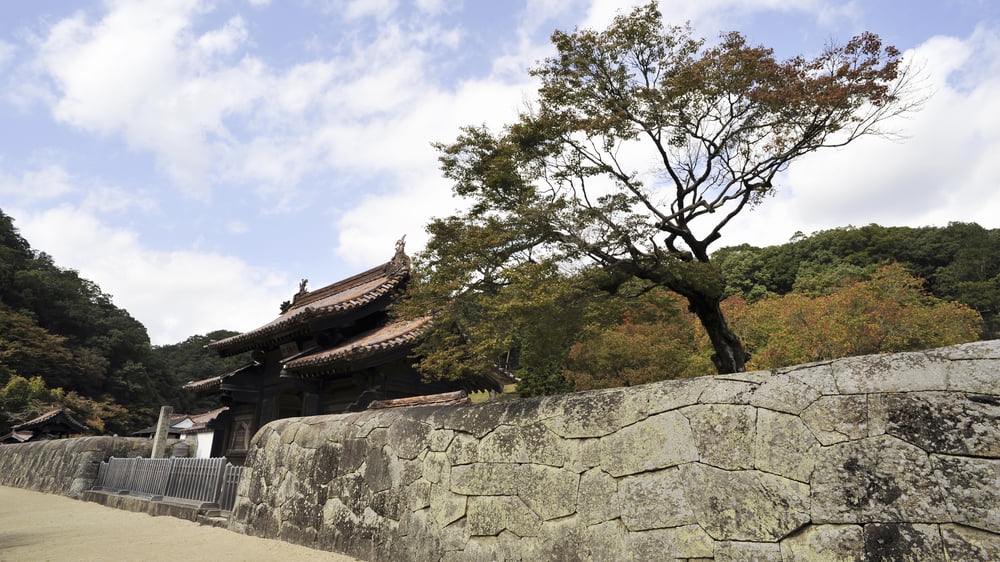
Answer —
(57, 423)
(332, 350)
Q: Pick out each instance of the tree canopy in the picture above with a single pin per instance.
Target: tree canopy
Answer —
(643, 144)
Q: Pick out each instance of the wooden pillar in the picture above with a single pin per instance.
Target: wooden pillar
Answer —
(162, 433)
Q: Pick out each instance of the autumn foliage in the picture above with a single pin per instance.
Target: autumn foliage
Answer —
(891, 312)
(659, 339)
(655, 340)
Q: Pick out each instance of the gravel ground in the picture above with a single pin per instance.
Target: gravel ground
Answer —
(36, 526)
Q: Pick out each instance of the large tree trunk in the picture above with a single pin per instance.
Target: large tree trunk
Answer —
(729, 356)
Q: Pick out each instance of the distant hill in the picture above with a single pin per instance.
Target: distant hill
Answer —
(960, 262)
(62, 340)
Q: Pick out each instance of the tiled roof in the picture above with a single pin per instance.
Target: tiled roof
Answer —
(17, 437)
(391, 337)
(445, 399)
(200, 421)
(211, 384)
(333, 300)
(52, 416)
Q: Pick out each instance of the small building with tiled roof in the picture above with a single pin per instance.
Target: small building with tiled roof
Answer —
(54, 424)
(331, 350)
(194, 429)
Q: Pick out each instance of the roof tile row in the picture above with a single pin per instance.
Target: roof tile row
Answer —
(329, 301)
(390, 337)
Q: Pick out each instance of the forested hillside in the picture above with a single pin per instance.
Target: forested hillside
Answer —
(63, 341)
(960, 262)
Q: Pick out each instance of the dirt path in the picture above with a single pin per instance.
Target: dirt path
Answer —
(36, 526)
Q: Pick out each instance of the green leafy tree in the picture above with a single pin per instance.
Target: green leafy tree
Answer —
(27, 349)
(644, 144)
(536, 311)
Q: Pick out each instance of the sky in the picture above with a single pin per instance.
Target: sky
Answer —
(197, 158)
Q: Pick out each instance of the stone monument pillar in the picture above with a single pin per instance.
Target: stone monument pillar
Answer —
(162, 432)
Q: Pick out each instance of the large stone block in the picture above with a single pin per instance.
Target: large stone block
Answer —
(817, 375)
(977, 376)
(673, 394)
(604, 541)
(834, 543)
(463, 449)
(446, 506)
(439, 439)
(687, 542)
(723, 434)
(971, 488)
(659, 441)
(737, 551)
(971, 351)
(953, 423)
(532, 443)
(408, 438)
(784, 446)
(834, 419)
(488, 515)
(721, 390)
(784, 393)
(572, 416)
(485, 479)
(654, 500)
(903, 542)
(382, 469)
(875, 479)
(899, 372)
(598, 497)
(964, 543)
(549, 492)
(436, 467)
(746, 505)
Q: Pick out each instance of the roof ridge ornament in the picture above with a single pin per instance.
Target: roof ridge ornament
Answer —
(400, 261)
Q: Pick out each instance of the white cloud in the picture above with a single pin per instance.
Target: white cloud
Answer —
(380, 9)
(143, 73)
(237, 227)
(438, 6)
(46, 183)
(175, 294)
(6, 53)
(414, 190)
(711, 16)
(107, 199)
(225, 40)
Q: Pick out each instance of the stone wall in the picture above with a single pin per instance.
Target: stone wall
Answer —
(892, 457)
(64, 466)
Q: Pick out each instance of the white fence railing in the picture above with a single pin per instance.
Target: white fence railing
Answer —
(210, 481)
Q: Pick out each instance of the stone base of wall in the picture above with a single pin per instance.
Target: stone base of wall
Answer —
(64, 466)
(173, 507)
(891, 457)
